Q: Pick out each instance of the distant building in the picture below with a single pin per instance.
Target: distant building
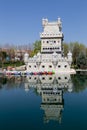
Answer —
(19, 54)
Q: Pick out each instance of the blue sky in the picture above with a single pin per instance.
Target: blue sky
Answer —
(21, 20)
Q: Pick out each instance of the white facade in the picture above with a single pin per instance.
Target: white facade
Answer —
(51, 57)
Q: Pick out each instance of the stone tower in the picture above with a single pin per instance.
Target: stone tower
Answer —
(52, 37)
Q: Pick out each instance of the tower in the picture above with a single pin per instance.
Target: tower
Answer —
(26, 56)
(51, 37)
(51, 57)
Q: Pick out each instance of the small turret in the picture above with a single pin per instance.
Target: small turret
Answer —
(69, 55)
(26, 56)
(59, 24)
(44, 22)
(38, 58)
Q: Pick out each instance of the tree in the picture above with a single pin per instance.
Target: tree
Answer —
(32, 53)
(66, 48)
(82, 60)
(2, 57)
(79, 82)
(11, 53)
(75, 52)
(71, 46)
(86, 52)
(37, 46)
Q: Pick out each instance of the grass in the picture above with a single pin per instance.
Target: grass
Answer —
(11, 63)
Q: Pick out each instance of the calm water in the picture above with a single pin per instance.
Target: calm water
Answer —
(43, 102)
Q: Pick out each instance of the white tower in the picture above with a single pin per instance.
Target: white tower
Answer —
(26, 56)
(51, 37)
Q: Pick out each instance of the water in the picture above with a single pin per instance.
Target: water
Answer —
(43, 102)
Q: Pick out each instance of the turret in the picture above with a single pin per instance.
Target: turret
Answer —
(38, 58)
(26, 56)
(69, 55)
(59, 24)
(44, 22)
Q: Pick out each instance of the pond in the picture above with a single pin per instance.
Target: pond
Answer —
(43, 102)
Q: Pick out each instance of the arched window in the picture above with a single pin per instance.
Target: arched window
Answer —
(65, 77)
(43, 78)
(59, 66)
(35, 78)
(65, 66)
(50, 78)
(34, 66)
(59, 78)
(43, 66)
(50, 66)
(29, 66)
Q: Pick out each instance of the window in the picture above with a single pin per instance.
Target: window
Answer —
(65, 66)
(29, 66)
(50, 78)
(65, 77)
(44, 99)
(50, 66)
(43, 66)
(59, 66)
(35, 78)
(34, 66)
(59, 78)
(43, 78)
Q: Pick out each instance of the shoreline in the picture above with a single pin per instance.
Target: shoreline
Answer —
(81, 70)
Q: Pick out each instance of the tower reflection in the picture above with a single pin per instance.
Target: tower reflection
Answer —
(51, 89)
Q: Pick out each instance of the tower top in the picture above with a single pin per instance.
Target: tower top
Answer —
(45, 22)
(51, 29)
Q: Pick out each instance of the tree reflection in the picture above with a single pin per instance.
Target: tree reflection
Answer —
(79, 82)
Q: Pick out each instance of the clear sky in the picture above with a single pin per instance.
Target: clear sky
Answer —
(21, 20)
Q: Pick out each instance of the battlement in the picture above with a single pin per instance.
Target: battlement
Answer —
(58, 23)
